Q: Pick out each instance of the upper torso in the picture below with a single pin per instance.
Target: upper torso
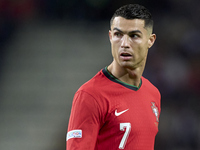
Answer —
(125, 117)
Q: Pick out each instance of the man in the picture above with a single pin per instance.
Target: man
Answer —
(118, 108)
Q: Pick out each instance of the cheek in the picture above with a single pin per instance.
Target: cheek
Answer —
(114, 51)
(141, 50)
(115, 44)
(143, 53)
(143, 46)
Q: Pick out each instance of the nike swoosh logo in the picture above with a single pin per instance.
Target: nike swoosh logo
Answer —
(119, 113)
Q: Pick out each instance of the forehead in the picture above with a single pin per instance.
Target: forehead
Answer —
(128, 24)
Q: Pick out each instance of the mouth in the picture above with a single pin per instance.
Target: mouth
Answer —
(125, 56)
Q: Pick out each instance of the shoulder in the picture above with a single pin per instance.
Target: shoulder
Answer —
(95, 85)
(90, 96)
(148, 86)
(91, 91)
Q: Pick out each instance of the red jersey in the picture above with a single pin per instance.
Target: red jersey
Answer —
(108, 114)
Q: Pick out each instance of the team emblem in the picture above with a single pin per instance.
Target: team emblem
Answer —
(155, 111)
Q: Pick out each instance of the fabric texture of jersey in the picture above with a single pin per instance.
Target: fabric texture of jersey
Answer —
(111, 115)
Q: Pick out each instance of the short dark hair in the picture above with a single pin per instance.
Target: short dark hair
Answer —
(134, 11)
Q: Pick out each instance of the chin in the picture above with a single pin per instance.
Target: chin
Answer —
(127, 65)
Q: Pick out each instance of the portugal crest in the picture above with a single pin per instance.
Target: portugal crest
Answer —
(155, 111)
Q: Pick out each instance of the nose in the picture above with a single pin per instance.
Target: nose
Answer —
(125, 42)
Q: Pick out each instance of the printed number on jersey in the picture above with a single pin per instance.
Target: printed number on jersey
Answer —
(127, 128)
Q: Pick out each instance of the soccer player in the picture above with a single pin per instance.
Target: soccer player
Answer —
(119, 108)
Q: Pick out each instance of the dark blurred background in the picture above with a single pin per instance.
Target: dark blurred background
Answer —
(49, 48)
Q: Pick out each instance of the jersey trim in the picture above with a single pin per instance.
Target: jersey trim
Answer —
(114, 79)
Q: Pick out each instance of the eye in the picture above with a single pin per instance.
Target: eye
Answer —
(118, 34)
(134, 35)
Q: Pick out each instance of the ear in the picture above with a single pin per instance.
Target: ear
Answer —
(151, 41)
(110, 35)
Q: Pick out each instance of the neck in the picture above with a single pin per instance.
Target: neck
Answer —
(127, 75)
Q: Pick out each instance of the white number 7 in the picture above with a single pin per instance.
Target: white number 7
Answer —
(124, 126)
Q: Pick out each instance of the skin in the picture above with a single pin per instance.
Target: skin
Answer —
(133, 39)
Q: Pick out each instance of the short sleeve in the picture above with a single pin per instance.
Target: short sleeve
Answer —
(84, 122)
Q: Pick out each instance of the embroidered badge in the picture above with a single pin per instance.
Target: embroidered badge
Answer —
(74, 134)
(155, 111)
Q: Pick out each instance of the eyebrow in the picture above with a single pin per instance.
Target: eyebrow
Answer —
(131, 32)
